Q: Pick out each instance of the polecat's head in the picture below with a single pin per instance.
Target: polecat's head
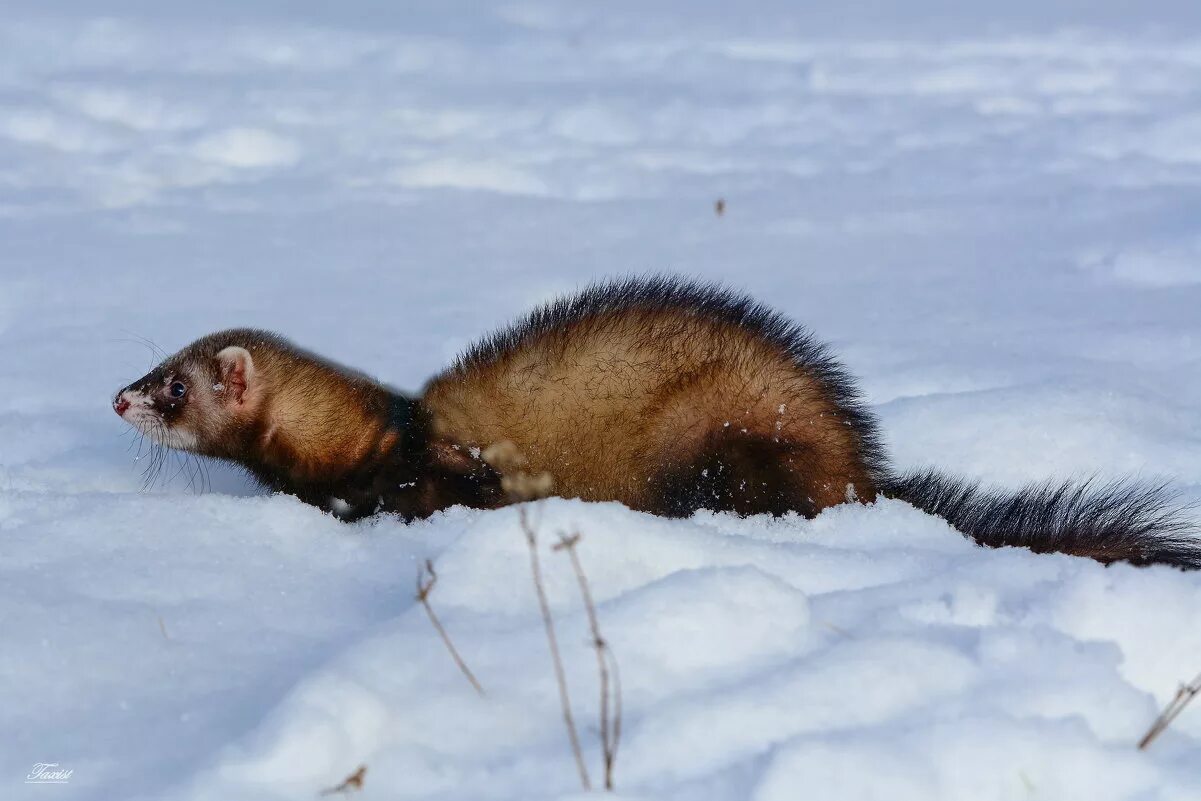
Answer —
(198, 399)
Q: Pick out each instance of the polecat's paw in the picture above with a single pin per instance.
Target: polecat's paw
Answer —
(504, 457)
(523, 486)
(519, 484)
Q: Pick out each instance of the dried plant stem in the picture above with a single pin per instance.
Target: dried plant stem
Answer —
(352, 783)
(1174, 708)
(610, 723)
(423, 595)
(560, 676)
(615, 736)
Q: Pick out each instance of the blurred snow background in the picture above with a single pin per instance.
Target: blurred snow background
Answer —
(990, 210)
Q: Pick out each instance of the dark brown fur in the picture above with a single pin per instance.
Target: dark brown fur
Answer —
(666, 396)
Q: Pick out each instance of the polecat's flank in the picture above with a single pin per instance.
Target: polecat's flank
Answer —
(664, 395)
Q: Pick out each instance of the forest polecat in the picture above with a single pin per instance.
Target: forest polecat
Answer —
(665, 395)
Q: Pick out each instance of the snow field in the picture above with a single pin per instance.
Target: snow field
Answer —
(988, 211)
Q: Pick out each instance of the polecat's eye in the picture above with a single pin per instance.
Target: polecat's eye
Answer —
(177, 389)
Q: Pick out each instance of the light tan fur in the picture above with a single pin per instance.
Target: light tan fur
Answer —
(604, 403)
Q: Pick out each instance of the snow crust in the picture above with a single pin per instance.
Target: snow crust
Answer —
(990, 212)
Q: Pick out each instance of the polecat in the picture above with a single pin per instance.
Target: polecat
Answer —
(665, 395)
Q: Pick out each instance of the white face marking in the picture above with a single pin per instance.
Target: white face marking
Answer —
(180, 439)
(142, 416)
(135, 398)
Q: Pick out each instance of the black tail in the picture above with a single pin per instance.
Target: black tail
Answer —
(1113, 522)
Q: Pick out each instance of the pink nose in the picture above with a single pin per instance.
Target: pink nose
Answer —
(120, 405)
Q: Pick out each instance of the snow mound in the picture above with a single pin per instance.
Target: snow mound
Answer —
(756, 657)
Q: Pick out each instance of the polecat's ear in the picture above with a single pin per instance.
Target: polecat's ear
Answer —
(237, 372)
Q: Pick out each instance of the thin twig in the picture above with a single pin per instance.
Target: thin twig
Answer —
(616, 738)
(1174, 708)
(560, 677)
(604, 654)
(423, 595)
(163, 628)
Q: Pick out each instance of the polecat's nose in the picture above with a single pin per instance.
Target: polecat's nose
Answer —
(120, 405)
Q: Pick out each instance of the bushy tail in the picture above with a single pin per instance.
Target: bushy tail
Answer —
(1110, 522)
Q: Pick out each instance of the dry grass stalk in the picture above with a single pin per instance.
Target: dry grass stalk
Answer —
(424, 587)
(352, 783)
(610, 686)
(560, 676)
(1174, 708)
(615, 737)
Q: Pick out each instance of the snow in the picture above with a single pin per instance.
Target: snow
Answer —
(989, 210)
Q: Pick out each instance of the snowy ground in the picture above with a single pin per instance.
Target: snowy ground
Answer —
(993, 217)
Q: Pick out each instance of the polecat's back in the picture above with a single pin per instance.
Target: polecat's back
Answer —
(669, 397)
